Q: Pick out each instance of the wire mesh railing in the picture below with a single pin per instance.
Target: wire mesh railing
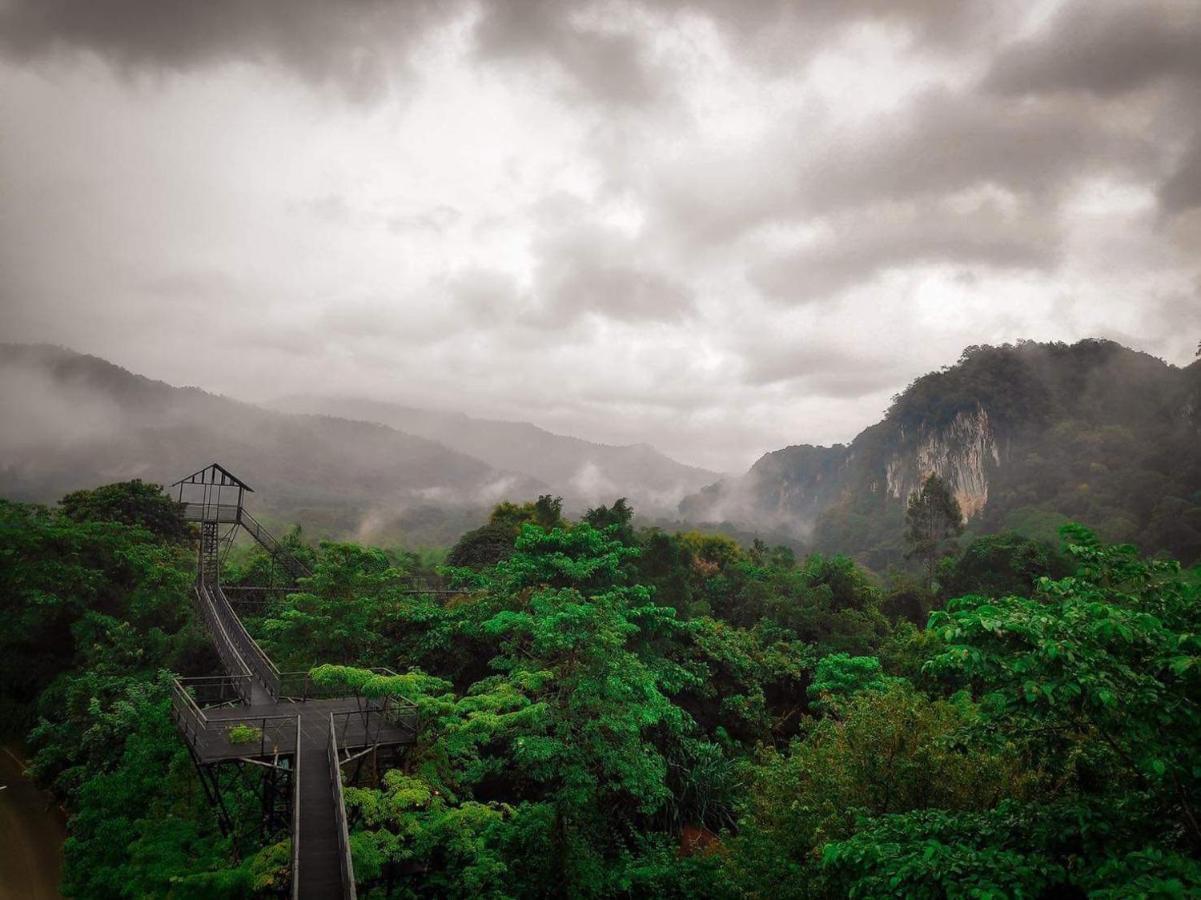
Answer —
(225, 513)
(226, 734)
(345, 861)
(295, 873)
(250, 656)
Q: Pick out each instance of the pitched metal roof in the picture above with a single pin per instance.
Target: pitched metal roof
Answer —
(214, 473)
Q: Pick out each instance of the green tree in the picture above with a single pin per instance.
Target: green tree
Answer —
(130, 503)
(932, 521)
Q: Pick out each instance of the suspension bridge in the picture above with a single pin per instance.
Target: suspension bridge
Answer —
(254, 719)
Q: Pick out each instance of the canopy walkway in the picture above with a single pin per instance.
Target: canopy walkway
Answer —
(255, 715)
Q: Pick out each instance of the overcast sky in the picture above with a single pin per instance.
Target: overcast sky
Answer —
(720, 226)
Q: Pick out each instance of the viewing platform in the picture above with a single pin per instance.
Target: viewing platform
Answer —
(254, 714)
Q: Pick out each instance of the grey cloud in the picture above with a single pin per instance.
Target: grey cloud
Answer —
(591, 269)
(1182, 190)
(323, 43)
(862, 245)
(784, 34)
(1109, 50)
(616, 290)
(484, 294)
(946, 142)
(605, 65)
(820, 367)
(940, 144)
(356, 47)
(1105, 49)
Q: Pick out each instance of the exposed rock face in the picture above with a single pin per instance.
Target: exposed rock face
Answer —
(961, 453)
(1024, 434)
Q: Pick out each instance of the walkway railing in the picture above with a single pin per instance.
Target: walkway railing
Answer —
(380, 720)
(345, 862)
(296, 818)
(295, 567)
(211, 512)
(231, 659)
(250, 655)
(262, 736)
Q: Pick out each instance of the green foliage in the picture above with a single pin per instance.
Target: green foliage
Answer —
(840, 677)
(244, 734)
(485, 546)
(1001, 564)
(932, 520)
(891, 751)
(1108, 660)
(935, 854)
(130, 503)
(620, 712)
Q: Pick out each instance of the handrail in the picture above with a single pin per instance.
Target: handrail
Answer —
(210, 512)
(345, 862)
(226, 648)
(254, 659)
(295, 567)
(191, 719)
(299, 686)
(268, 727)
(296, 817)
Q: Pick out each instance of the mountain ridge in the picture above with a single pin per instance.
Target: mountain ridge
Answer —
(584, 472)
(86, 420)
(1022, 432)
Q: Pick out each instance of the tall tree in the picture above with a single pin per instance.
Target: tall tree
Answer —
(932, 521)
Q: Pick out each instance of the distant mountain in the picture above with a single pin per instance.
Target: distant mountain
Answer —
(582, 472)
(1027, 435)
(69, 421)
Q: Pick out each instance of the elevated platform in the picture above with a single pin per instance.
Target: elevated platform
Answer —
(358, 725)
(255, 714)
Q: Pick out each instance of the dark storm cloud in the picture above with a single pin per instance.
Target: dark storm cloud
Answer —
(1104, 49)
(321, 42)
(859, 247)
(708, 202)
(355, 46)
(1109, 50)
(607, 66)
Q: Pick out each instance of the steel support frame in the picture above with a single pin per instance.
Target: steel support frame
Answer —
(275, 791)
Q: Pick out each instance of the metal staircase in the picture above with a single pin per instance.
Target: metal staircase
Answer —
(295, 724)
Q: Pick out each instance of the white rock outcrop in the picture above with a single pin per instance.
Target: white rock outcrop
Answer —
(957, 453)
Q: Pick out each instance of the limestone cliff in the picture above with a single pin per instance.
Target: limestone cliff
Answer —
(1025, 435)
(963, 454)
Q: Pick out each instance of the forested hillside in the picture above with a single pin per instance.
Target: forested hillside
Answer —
(1028, 436)
(582, 472)
(80, 420)
(611, 711)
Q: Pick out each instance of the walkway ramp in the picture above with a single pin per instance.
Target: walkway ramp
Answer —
(255, 713)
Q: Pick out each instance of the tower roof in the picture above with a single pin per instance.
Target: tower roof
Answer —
(214, 473)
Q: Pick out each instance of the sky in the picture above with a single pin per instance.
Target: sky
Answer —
(717, 226)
